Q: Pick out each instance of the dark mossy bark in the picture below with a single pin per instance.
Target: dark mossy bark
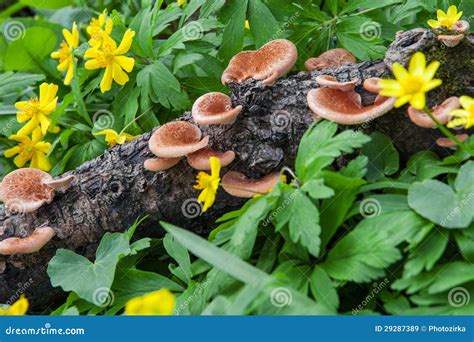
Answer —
(113, 190)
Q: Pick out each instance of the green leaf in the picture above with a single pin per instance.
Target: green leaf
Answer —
(12, 84)
(364, 49)
(180, 254)
(157, 82)
(439, 203)
(427, 254)
(383, 157)
(323, 288)
(50, 4)
(263, 24)
(317, 190)
(465, 241)
(355, 5)
(233, 36)
(73, 272)
(29, 52)
(452, 275)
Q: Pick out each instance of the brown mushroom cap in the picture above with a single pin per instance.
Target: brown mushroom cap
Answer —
(446, 142)
(333, 83)
(372, 85)
(199, 160)
(238, 185)
(160, 164)
(461, 26)
(214, 108)
(176, 139)
(30, 244)
(450, 40)
(345, 107)
(331, 58)
(266, 64)
(440, 112)
(60, 184)
(25, 190)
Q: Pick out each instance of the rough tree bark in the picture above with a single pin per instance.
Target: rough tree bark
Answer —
(113, 190)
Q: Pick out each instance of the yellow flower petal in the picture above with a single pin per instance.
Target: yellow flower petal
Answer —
(417, 64)
(161, 302)
(11, 152)
(430, 71)
(402, 100)
(19, 308)
(39, 161)
(21, 160)
(69, 74)
(399, 71)
(106, 82)
(125, 62)
(126, 43)
(466, 102)
(119, 75)
(418, 101)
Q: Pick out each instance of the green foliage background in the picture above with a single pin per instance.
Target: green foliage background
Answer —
(375, 237)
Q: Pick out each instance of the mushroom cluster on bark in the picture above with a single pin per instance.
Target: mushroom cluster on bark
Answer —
(174, 140)
(460, 28)
(24, 191)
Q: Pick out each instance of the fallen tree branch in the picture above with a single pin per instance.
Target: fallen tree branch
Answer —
(113, 190)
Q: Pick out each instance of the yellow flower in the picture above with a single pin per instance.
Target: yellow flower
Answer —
(109, 56)
(96, 29)
(412, 85)
(113, 138)
(247, 25)
(180, 2)
(65, 53)
(208, 184)
(157, 303)
(30, 149)
(446, 19)
(19, 308)
(463, 117)
(36, 111)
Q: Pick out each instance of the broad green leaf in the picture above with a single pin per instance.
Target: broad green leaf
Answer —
(323, 288)
(383, 157)
(74, 272)
(452, 275)
(180, 254)
(49, 4)
(465, 241)
(367, 5)
(364, 49)
(263, 24)
(233, 36)
(439, 203)
(12, 84)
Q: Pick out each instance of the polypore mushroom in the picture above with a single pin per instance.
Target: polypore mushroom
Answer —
(451, 40)
(238, 185)
(333, 83)
(266, 64)
(461, 26)
(440, 112)
(177, 139)
(331, 58)
(199, 160)
(372, 85)
(30, 244)
(447, 142)
(160, 164)
(25, 190)
(346, 107)
(214, 108)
